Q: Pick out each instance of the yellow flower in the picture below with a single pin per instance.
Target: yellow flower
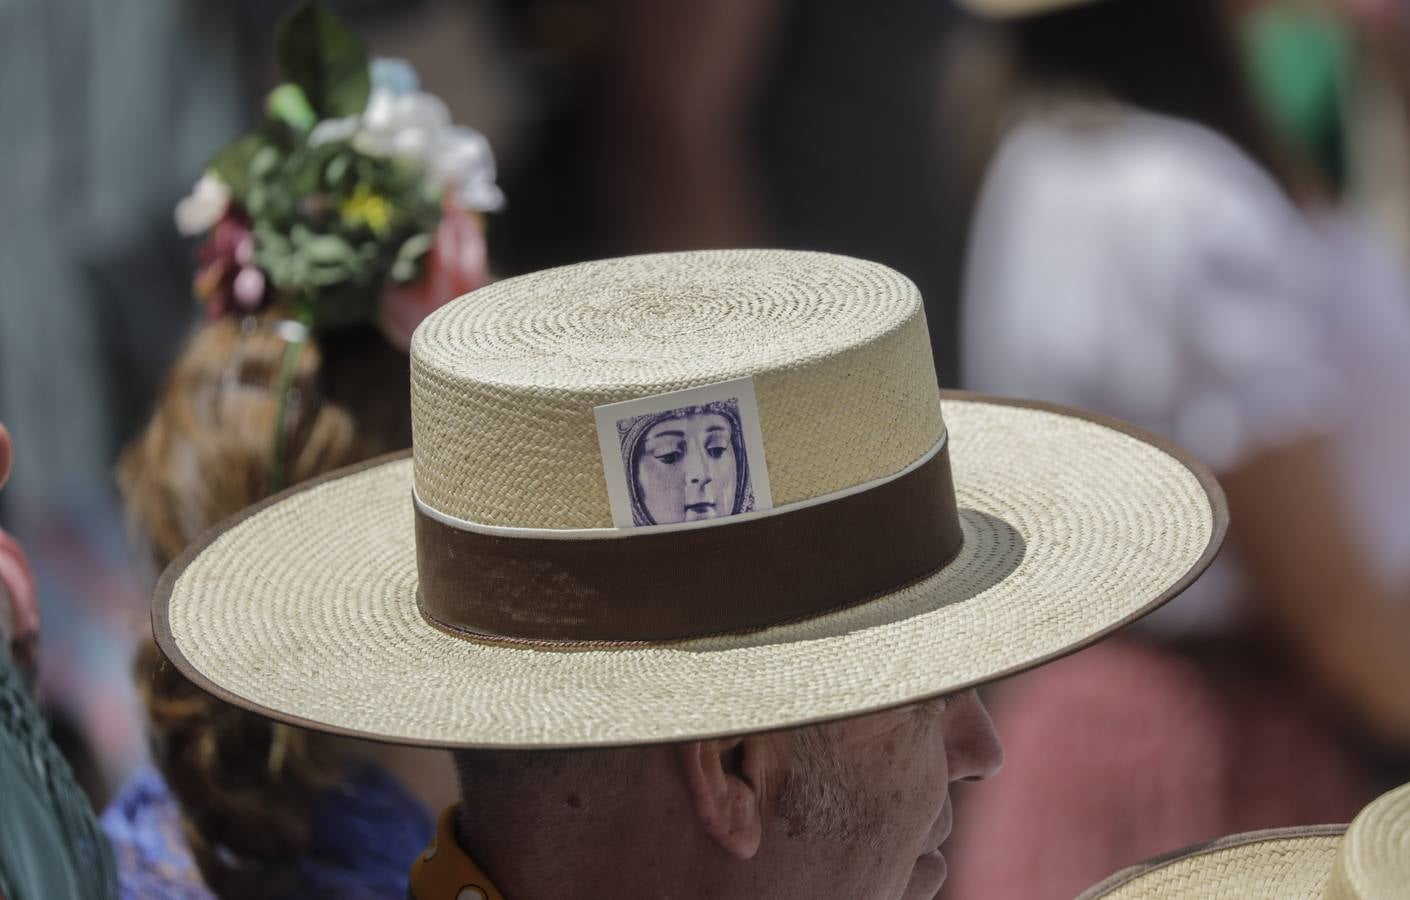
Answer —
(367, 208)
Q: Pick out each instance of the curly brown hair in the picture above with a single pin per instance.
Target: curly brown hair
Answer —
(244, 783)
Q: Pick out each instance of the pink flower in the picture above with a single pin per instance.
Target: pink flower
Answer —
(249, 287)
(226, 275)
(456, 264)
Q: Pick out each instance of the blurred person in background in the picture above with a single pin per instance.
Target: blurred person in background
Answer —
(108, 111)
(1142, 248)
(656, 125)
(1334, 79)
(325, 246)
(51, 847)
(239, 806)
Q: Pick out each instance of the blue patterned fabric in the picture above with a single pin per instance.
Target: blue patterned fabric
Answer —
(366, 832)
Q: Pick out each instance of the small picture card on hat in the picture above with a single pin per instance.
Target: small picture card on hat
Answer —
(685, 456)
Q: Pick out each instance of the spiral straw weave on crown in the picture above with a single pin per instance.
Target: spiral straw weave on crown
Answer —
(504, 383)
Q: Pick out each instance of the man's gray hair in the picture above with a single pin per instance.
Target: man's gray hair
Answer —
(824, 796)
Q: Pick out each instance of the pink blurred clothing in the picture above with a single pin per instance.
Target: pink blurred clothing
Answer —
(1128, 750)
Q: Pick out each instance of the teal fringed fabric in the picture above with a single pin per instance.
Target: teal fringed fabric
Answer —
(51, 847)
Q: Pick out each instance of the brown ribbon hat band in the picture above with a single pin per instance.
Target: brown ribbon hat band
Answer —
(670, 582)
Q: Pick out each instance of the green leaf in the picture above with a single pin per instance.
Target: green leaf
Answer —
(281, 271)
(328, 249)
(257, 201)
(326, 276)
(231, 163)
(335, 170)
(319, 54)
(271, 242)
(264, 161)
(414, 247)
(287, 103)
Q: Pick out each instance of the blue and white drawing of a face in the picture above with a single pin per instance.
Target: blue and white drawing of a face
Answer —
(687, 465)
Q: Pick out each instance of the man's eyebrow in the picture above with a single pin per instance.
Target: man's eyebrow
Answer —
(656, 434)
(717, 428)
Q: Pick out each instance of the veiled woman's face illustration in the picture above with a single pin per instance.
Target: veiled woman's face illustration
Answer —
(687, 469)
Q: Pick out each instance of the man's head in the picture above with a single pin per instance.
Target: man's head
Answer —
(856, 808)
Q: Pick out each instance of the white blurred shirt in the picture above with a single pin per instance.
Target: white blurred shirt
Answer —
(1144, 267)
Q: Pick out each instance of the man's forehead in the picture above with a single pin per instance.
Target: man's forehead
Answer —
(936, 705)
(888, 720)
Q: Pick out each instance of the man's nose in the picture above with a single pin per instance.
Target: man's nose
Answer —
(974, 750)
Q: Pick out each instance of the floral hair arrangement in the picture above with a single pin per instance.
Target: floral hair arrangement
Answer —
(354, 201)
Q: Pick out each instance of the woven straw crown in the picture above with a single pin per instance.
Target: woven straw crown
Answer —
(1375, 855)
(503, 387)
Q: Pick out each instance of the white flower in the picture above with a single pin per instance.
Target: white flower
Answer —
(206, 205)
(464, 159)
(415, 126)
(405, 125)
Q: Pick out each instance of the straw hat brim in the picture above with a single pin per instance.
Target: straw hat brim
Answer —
(1366, 860)
(304, 608)
(1279, 864)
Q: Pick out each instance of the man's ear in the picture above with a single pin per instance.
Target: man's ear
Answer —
(727, 780)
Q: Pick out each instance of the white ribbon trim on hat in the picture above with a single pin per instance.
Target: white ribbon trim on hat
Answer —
(570, 534)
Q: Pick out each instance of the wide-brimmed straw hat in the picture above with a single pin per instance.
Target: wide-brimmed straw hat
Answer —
(1367, 860)
(853, 540)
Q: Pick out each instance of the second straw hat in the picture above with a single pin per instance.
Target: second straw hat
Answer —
(1368, 860)
(683, 495)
